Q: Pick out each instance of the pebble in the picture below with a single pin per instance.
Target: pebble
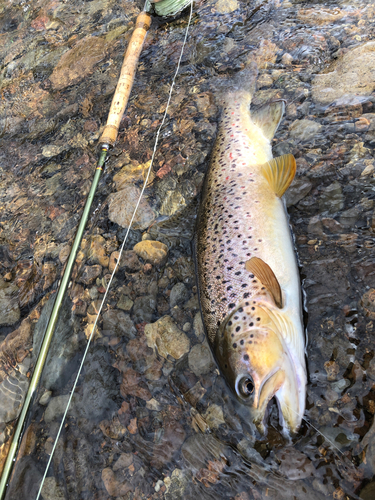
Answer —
(45, 398)
(198, 327)
(200, 359)
(332, 369)
(368, 303)
(179, 295)
(154, 252)
(97, 253)
(153, 405)
(125, 303)
(226, 6)
(165, 336)
(214, 416)
(89, 274)
(124, 461)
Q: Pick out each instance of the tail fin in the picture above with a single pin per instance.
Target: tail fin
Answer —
(242, 82)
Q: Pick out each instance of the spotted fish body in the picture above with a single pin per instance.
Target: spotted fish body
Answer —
(247, 271)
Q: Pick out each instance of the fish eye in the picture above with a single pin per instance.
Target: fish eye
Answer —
(246, 387)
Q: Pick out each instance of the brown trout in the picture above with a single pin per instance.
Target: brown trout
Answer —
(247, 270)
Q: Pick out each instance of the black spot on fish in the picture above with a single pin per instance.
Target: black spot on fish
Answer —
(231, 305)
(246, 295)
(258, 319)
(234, 345)
(238, 328)
(246, 356)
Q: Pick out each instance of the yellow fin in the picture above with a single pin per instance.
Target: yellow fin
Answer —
(267, 277)
(280, 172)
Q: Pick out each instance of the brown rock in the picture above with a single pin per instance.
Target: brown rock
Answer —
(165, 335)
(115, 486)
(89, 275)
(133, 385)
(332, 369)
(151, 251)
(78, 62)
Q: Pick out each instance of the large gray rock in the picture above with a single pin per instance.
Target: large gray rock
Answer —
(351, 75)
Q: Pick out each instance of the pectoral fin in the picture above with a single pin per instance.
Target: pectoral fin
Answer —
(280, 173)
(268, 117)
(267, 277)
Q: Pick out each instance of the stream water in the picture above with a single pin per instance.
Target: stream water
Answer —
(151, 417)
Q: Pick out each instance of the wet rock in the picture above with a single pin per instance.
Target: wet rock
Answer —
(179, 295)
(60, 360)
(177, 486)
(99, 393)
(97, 253)
(117, 323)
(122, 205)
(294, 464)
(246, 448)
(14, 365)
(226, 6)
(52, 490)
(368, 492)
(124, 461)
(89, 274)
(214, 416)
(78, 62)
(45, 398)
(170, 442)
(132, 173)
(115, 485)
(332, 199)
(350, 75)
(332, 369)
(56, 408)
(198, 326)
(26, 479)
(151, 251)
(9, 308)
(200, 448)
(167, 338)
(133, 385)
(304, 130)
(299, 188)
(200, 359)
(125, 303)
(144, 308)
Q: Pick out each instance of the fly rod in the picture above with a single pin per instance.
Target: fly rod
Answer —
(107, 139)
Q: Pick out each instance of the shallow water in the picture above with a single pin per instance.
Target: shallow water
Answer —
(161, 423)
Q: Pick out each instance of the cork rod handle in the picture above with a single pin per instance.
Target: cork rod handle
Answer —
(125, 83)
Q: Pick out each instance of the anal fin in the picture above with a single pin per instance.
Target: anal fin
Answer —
(267, 277)
(280, 172)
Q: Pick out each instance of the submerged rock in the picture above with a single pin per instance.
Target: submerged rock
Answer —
(351, 74)
(9, 308)
(167, 338)
(122, 205)
(151, 251)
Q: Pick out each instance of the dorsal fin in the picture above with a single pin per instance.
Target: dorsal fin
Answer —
(267, 277)
(268, 117)
(280, 172)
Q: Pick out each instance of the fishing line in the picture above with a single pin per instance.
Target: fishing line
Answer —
(119, 257)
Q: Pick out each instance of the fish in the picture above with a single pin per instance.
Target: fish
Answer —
(248, 280)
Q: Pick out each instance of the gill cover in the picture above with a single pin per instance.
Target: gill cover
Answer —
(255, 351)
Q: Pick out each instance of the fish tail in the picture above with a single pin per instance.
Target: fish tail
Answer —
(243, 83)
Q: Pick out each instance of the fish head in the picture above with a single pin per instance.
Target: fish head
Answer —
(257, 365)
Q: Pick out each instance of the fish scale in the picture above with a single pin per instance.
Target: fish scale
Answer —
(248, 278)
